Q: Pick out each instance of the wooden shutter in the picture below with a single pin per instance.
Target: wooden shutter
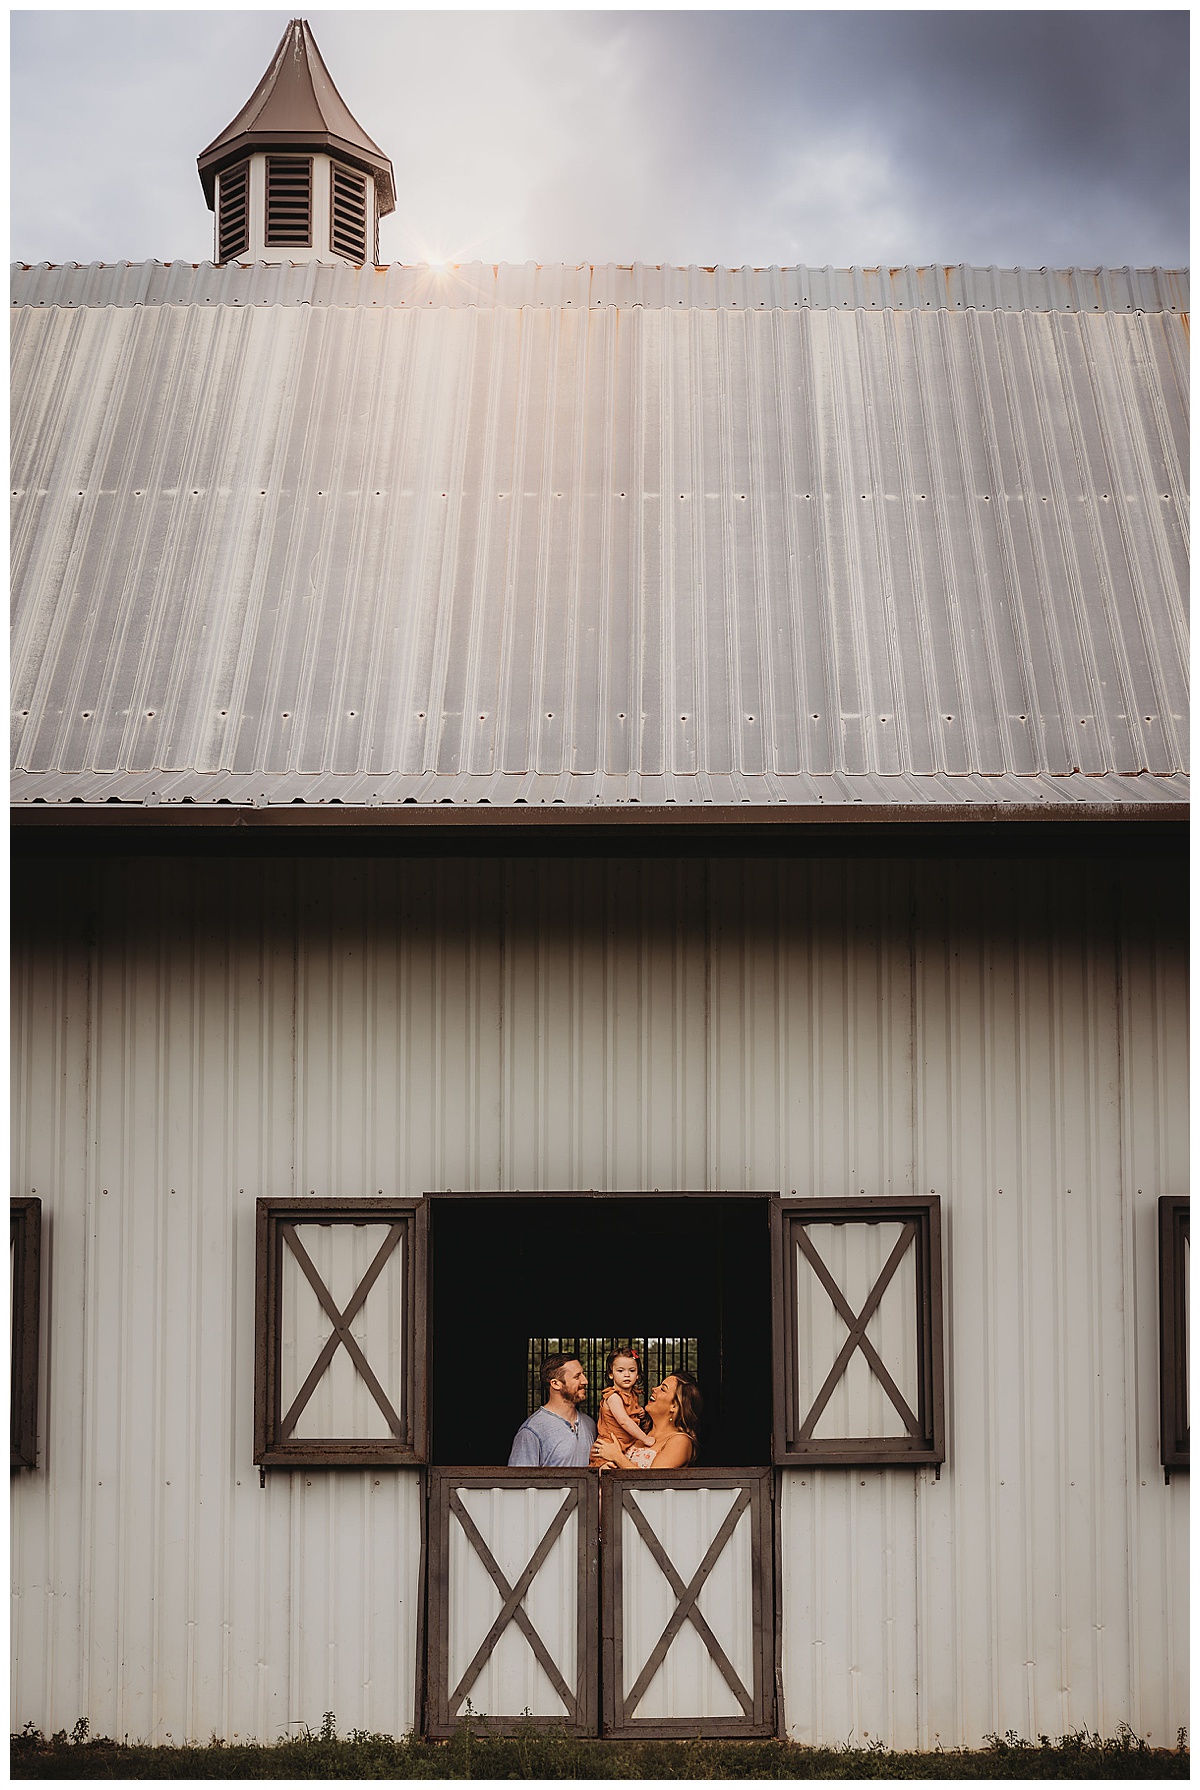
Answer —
(25, 1256)
(688, 1603)
(513, 1601)
(340, 1369)
(1174, 1252)
(289, 201)
(233, 230)
(857, 1306)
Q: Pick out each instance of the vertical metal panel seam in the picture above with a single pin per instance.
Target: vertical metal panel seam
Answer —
(1107, 612)
(91, 1311)
(959, 344)
(1018, 591)
(123, 1462)
(848, 666)
(1001, 521)
(1097, 1293)
(230, 1166)
(1024, 1192)
(1129, 1313)
(160, 1229)
(1060, 329)
(900, 715)
(20, 1085)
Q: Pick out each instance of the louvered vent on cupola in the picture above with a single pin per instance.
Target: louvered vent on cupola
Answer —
(289, 200)
(348, 214)
(233, 229)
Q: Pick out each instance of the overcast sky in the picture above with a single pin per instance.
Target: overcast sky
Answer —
(1019, 138)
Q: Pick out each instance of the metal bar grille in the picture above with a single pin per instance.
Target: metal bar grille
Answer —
(348, 214)
(289, 200)
(658, 1355)
(234, 218)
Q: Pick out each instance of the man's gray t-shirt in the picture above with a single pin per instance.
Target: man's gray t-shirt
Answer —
(545, 1440)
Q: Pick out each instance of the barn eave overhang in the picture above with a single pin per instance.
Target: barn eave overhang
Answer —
(628, 816)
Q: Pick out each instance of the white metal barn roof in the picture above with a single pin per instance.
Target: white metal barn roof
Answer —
(914, 539)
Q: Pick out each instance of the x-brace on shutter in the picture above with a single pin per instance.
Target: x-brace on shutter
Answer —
(340, 1333)
(857, 1308)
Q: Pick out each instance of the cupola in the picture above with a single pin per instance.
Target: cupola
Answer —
(295, 177)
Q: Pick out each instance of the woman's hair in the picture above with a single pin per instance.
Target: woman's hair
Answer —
(615, 1355)
(689, 1405)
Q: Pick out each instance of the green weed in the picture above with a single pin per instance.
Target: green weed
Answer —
(533, 1752)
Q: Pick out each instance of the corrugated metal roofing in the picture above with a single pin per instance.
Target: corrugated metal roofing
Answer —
(275, 537)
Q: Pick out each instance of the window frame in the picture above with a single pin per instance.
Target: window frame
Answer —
(929, 1448)
(410, 1449)
(25, 1243)
(1174, 1432)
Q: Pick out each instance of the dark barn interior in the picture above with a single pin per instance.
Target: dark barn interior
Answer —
(504, 1270)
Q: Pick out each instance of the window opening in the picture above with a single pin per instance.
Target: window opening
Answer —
(348, 213)
(513, 1278)
(289, 200)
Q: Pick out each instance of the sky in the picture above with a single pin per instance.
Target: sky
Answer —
(719, 137)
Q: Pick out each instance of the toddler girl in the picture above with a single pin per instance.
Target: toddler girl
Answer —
(620, 1407)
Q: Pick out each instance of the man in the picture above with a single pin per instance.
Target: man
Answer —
(560, 1434)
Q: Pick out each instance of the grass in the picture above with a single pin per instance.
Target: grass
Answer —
(536, 1753)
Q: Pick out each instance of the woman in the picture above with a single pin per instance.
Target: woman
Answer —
(674, 1409)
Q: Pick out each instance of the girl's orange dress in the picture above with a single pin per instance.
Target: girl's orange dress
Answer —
(607, 1428)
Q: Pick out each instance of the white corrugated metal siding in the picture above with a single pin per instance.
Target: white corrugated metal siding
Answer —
(190, 1034)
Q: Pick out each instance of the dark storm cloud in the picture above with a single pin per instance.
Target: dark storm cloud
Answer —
(993, 136)
(1016, 137)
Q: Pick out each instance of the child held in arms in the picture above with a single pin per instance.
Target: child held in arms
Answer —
(620, 1407)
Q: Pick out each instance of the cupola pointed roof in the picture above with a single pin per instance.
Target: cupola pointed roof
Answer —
(297, 106)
